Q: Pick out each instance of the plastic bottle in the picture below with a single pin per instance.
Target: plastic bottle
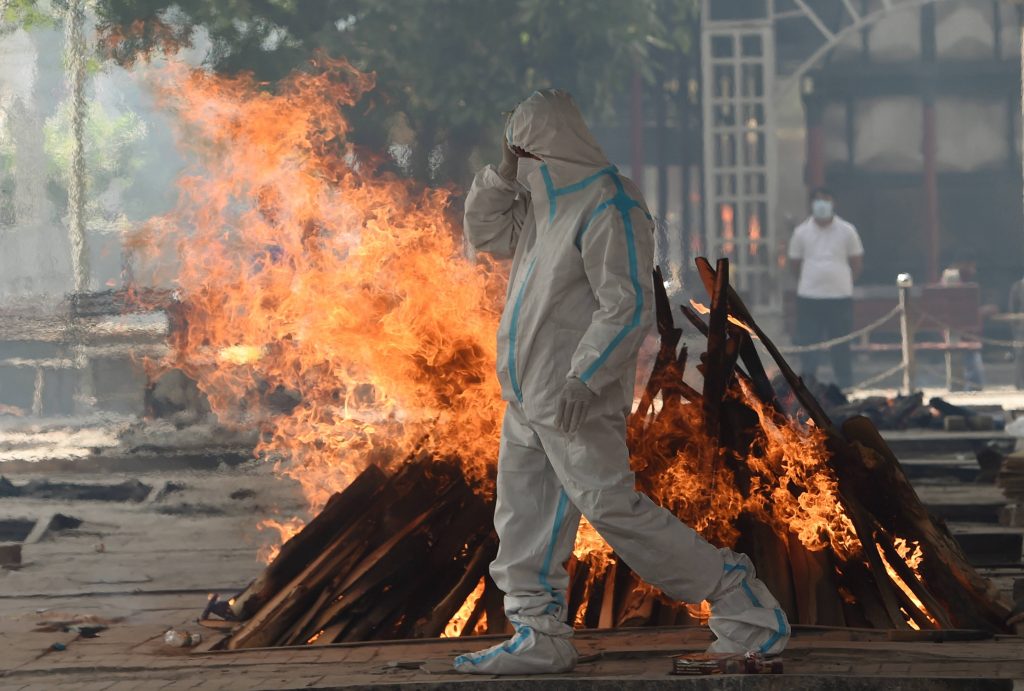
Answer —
(181, 639)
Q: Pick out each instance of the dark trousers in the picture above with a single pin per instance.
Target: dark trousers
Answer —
(823, 319)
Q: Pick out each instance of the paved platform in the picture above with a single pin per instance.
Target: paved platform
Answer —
(139, 568)
(134, 657)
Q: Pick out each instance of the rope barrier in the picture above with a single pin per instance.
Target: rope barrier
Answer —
(973, 337)
(825, 345)
(899, 367)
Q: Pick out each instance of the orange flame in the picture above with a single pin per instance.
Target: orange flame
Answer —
(328, 301)
(455, 626)
(911, 553)
(701, 308)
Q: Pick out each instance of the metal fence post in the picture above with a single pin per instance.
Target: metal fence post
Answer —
(905, 282)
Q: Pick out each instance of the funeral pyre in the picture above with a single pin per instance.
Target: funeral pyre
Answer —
(329, 302)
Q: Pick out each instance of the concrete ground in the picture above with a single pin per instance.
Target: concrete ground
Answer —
(139, 568)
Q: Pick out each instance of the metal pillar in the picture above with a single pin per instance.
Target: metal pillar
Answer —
(814, 175)
(905, 282)
(75, 51)
(740, 161)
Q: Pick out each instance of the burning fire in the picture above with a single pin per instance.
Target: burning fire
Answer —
(701, 308)
(457, 624)
(912, 554)
(328, 301)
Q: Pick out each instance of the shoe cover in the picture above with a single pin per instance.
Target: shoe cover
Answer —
(746, 617)
(527, 652)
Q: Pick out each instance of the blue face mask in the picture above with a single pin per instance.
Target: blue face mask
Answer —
(821, 209)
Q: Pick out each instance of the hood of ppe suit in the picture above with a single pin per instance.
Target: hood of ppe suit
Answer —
(549, 125)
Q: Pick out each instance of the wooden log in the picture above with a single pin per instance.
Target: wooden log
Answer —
(970, 599)
(594, 598)
(443, 611)
(294, 634)
(455, 540)
(638, 606)
(406, 548)
(715, 375)
(579, 590)
(817, 596)
(771, 559)
(694, 319)
(755, 369)
(606, 619)
(800, 391)
(331, 633)
(386, 616)
(859, 580)
(474, 617)
(907, 575)
(393, 505)
(278, 613)
(308, 543)
(494, 608)
(668, 365)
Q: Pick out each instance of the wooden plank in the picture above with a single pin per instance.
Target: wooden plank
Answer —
(308, 543)
(443, 611)
(606, 619)
(887, 494)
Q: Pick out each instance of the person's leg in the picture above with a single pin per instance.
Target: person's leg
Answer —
(593, 466)
(808, 330)
(839, 322)
(974, 370)
(536, 526)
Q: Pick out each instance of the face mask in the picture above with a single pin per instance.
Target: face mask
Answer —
(821, 209)
(527, 166)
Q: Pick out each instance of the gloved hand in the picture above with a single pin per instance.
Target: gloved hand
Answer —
(509, 165)
(573, 405)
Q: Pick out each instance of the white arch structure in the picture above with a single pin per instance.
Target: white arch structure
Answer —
(740, 93)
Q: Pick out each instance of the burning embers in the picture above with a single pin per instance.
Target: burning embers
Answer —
(327, 302)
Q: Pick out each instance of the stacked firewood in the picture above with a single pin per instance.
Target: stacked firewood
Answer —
(400, 556)
(1011, 476)
(912, 412)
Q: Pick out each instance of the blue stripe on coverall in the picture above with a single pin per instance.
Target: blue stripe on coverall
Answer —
(545, 567)
(624, 203)
(510, 646)
(779, 618)
(513, 332)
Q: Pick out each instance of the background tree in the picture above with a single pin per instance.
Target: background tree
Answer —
(447, 69)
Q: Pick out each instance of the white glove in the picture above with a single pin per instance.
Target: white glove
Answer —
(573, 405)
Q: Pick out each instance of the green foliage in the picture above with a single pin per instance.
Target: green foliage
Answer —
(446, 69)
(110, 144)
(27, 14)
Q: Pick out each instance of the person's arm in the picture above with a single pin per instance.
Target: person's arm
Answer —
(795, 253)
(618, 256)
(854, 253)
(856, 266)
(495, 212)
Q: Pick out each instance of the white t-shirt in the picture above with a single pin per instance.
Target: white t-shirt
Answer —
(825, 255)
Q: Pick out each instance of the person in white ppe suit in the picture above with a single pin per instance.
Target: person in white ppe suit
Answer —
(579, 304)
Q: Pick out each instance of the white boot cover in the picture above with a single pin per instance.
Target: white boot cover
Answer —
(745, 616)
(528, 652)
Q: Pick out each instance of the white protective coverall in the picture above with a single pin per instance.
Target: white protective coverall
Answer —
(579, 304)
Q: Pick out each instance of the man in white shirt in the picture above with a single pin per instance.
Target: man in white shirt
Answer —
(826, 253)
